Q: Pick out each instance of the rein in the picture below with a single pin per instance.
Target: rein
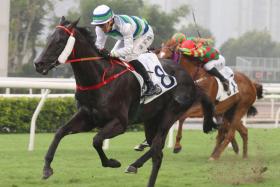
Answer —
(104, 81)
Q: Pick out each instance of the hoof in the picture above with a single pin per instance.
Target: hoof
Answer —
(177, 149)
(47, 172)
(141, 147)
(138, 148)
(212, 159)
(131, 169)
(236, 152)
(112, 163)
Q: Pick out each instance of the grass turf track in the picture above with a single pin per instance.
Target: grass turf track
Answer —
(77, 163)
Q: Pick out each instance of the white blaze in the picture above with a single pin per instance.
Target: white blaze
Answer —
(67, 50)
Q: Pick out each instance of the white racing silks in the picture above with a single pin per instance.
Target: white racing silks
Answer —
(67, 50)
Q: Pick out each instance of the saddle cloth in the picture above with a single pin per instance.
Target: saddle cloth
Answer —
(157, 75)
(229, 75)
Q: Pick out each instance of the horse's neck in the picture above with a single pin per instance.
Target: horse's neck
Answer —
(88, 72)
(193, 67)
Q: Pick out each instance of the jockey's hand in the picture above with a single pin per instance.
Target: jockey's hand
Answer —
(113, 54)
(104, 53)
(186, 51)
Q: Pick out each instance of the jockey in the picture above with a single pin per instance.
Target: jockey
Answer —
(134, 36)
(212, 59)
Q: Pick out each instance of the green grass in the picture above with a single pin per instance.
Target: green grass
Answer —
(76, 163)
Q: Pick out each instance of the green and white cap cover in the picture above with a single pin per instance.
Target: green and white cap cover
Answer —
(102, 14)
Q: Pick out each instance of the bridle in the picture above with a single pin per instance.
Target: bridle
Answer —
(71, 33)
(175, 54)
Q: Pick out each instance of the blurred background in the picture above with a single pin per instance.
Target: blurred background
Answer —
(245, 31)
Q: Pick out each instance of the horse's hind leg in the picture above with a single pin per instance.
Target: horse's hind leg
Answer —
(170, 116)
(150, 131)
(77, 124)
(178, 146)
(156, 136)
(110, 130)
(243, 131)
(235, 146)
(221, 147)
(222, 131)
(234, 124)
(157, 146)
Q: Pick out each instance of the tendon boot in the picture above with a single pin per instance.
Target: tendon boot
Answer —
(151, 88)
(224, 81)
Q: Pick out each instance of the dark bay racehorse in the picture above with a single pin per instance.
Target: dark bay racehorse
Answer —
(108, 96)
(231, 110)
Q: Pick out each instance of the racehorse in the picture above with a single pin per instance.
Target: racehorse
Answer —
(230, 110)
(108, 96)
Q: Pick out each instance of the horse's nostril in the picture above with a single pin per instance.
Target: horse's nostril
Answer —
(36, 65)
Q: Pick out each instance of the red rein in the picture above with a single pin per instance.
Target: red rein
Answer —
(104, 81)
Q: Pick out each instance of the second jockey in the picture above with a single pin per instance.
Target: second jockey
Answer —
(203, 50)
(134, 36)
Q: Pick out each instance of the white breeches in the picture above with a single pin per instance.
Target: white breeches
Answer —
(140, 45)
(218, 64)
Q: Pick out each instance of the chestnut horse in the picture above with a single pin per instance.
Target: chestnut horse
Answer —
(231, 110)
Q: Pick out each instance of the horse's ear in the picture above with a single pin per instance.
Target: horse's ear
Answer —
(74, 24)
(62, 20)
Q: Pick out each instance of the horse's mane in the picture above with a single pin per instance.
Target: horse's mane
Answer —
(88, 34)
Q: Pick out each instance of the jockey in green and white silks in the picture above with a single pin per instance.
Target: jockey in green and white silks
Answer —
(134, 34)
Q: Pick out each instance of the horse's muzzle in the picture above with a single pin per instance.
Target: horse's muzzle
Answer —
(44, 68)
(39, 68)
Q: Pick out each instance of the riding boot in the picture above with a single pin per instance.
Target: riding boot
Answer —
(151, 88)
(224, 81)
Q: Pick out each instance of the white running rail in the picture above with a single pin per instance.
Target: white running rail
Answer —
(271, 91)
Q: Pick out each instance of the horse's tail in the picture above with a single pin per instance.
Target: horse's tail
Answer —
(259, 89)
(252, 111)
(208, 110)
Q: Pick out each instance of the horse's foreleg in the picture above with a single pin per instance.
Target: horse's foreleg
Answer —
(77, 124)
(112, 129)
(178, 146)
